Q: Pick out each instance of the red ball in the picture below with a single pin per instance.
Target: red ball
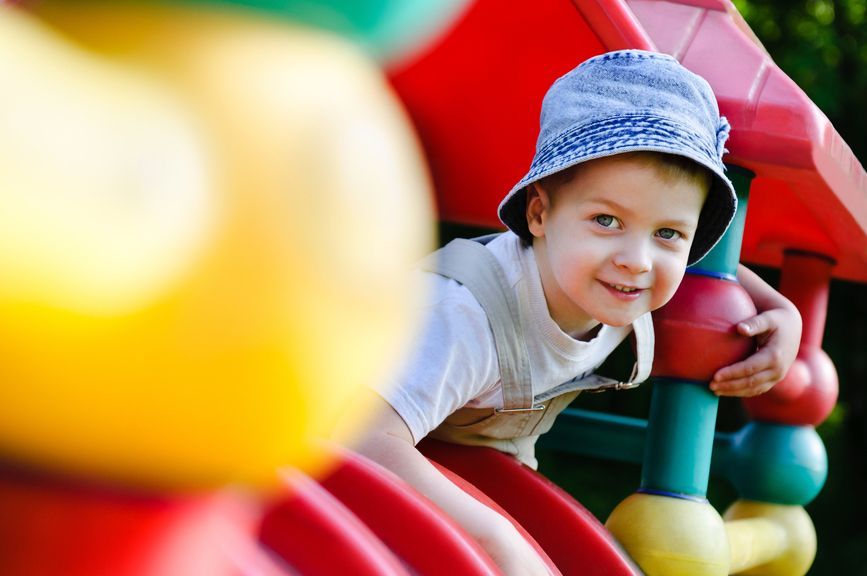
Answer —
(696, 332)
(804, 397)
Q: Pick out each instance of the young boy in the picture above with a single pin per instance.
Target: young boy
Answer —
(626, 189)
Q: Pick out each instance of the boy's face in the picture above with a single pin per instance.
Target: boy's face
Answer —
(612, 243)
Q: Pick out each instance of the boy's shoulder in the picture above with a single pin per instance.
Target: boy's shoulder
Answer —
(510, 255)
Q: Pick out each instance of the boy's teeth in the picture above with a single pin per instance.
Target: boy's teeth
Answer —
(623, 288)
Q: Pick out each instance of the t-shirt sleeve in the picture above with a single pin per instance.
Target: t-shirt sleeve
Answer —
(452, 361)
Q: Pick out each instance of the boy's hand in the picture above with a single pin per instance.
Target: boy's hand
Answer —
(777, 329)
(778, 333)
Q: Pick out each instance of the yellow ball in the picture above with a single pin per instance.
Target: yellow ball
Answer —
(670, 536)
(207, 223)
(798, 546)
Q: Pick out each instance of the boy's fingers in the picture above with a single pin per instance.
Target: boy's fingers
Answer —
(752, 385)
(753, 365)
(754, 325)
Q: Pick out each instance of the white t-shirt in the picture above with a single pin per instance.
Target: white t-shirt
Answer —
(454, 364)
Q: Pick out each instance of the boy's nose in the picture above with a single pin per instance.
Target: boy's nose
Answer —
(634, 256)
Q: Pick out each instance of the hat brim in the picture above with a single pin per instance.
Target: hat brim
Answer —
(639, 133)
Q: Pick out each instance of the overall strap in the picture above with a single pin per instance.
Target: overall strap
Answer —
(474, 266)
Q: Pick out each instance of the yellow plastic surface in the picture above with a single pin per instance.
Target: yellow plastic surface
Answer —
(670, 536)
(786, 549)
(206, 226)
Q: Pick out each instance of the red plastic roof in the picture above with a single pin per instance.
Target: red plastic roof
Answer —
(475, 99)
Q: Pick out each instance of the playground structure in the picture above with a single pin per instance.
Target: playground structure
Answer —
(473, 95)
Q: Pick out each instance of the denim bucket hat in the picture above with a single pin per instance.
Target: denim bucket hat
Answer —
(629, 101)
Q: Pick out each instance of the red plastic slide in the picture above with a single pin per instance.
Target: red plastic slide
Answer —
(574, 539)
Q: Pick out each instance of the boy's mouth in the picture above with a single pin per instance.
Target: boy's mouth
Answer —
(622, 289)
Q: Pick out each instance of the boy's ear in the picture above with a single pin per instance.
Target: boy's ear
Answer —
(538, 205)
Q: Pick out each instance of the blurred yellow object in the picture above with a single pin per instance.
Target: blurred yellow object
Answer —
(106, 194)
(671, 536)
(206, 226)
(770, 539)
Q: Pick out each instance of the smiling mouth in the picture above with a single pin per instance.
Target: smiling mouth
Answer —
(623, 289)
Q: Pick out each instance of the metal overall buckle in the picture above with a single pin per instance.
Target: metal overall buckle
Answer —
(533, 408)
(619, 385)
(613, 386)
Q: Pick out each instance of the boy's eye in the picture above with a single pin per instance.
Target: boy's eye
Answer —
(607, 221)
(668, 234)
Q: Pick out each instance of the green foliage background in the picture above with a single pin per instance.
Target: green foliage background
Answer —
(822, 46)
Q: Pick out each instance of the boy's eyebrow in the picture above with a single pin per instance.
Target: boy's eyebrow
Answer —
(681, 224)
(609, 203)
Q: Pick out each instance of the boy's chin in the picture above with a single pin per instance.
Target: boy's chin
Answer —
(620, 321)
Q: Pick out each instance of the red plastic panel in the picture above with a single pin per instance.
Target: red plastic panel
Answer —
(475, 97)
(615, 25)
(49, 526)
(576, 541)
(408, 523)
(315, 534)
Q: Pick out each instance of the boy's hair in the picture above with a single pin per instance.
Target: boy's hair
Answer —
(624, 102)
(670, 166)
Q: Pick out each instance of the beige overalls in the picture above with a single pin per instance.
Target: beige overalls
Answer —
(515, 427)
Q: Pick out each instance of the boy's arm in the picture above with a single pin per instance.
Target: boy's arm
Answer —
(390, 443)
(777, 329)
